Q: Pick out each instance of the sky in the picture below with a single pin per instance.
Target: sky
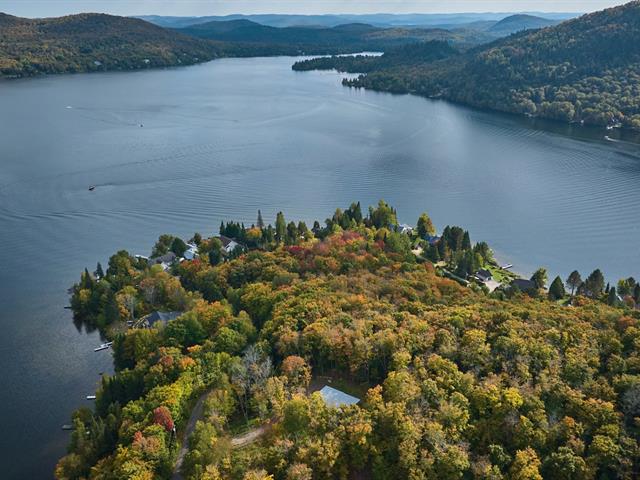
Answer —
(48, 8)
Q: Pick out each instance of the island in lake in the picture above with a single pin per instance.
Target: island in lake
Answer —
(357, 347)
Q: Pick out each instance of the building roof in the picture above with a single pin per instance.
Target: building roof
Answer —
(523, 284)
(191, 252)
(166, 258)
(483, 273)
(162, 317)
(336, 398)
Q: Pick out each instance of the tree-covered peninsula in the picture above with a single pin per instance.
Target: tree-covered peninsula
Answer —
(229, 351)
(585, 70)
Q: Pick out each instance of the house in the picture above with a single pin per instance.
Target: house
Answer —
(524, 285)
(191, 252)
(483, 275)
(158, 318)
(229, 244)
(404, 228)
(335, 398)
(165, 260)
(432, 239)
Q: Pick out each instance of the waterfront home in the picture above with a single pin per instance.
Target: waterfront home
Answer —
(158, 318)
(191, 252)
(165, 260)
(229, 244)
(404, 228)
(483, 275)
(432, 239)
(523, 284)
(335, 398)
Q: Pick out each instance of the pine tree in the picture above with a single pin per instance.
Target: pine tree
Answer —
(539, 278)
(466, 241)
(425, 226)
(612, 298)
(222, 229)
(574, 281)
(260, 220)
(556, 290)
(281, 228)
(594, 285)
(99, 273)
(636, 293)
(111, 309)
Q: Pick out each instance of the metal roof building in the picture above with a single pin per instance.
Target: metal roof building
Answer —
(336, 398)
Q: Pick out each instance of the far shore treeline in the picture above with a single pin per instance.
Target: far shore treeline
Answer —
(584, 71)
(220, 344)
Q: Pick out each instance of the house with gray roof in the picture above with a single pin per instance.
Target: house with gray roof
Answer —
(158, 319)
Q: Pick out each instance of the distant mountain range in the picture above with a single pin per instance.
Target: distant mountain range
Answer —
(384, 20)
(340, 39)
(97, 42)
(583, 70)
(517, 23)
(93, 42)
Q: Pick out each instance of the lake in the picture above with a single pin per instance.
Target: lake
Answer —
(177, 151)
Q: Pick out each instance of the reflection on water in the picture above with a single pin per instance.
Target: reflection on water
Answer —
(179, 150)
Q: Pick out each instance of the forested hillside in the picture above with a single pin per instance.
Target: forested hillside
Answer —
(347, 38)
(583, 70)
(453, 382)
(93, 42)
(517, 23)
(417, 53)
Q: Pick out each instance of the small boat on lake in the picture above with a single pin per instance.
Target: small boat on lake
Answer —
(91, 397)
(67, 427)
(92, 188)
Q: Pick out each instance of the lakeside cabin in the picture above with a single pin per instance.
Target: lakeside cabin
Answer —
(158, 318)
(484, 275)
(191, 252)
(165, 260)
(404, 228)
(229, 244)
(432, 239)
(335, 398)
(523, 284)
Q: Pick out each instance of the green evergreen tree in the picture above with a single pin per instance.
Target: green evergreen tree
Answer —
(260, 223)
(466, 241)
(281, 228)
(612, 297)
(594, 285)
(178, 247)
(425, 226)
(99, 273)
(540, 278)
(215, 252)
(292, 234)
(574, 281)
(556, 290)
(111, 309)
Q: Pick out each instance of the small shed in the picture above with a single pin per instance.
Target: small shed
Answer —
(335, 398)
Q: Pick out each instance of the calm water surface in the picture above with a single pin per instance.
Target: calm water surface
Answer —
(221, 140)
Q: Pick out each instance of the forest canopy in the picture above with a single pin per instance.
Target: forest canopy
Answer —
(453, 382)
(585, 70)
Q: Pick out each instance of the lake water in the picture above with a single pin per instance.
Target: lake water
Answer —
(178, 151)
